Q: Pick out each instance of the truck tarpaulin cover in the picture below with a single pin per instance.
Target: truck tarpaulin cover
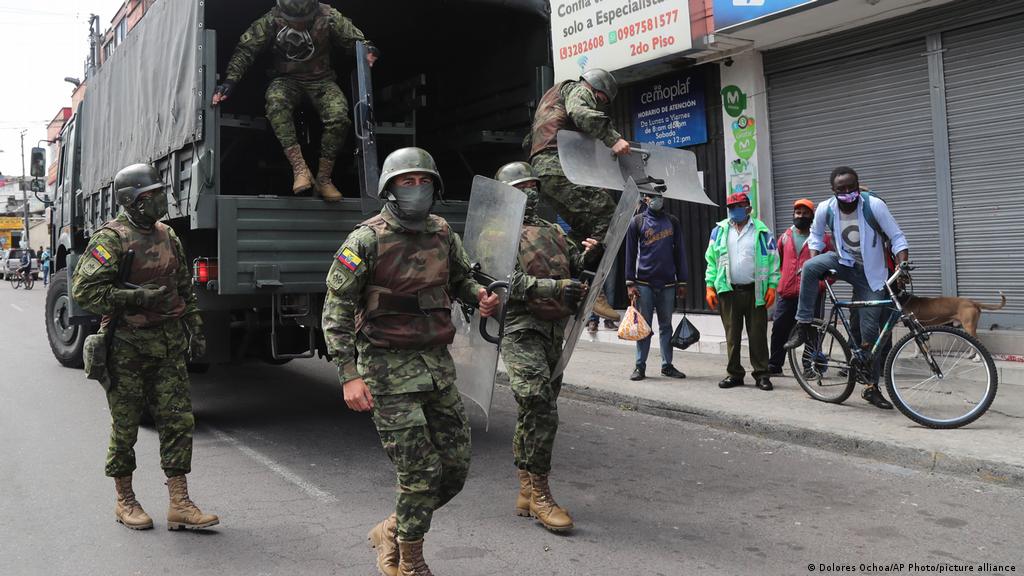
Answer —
(142, 103)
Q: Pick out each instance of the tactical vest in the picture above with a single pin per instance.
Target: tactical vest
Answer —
(407, 304)
(155, 263)
(304, 55)
(544, 253)
(551, 117)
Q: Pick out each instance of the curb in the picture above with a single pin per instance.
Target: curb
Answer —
(991, 471)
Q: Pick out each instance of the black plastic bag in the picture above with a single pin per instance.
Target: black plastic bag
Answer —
(685, 335)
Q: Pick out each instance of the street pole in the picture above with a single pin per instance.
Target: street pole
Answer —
(26, 242)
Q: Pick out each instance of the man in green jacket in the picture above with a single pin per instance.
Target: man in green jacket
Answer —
(742, 276)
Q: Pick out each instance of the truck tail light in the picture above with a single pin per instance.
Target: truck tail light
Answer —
(204, 271)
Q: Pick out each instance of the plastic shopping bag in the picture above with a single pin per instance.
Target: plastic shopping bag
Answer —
(633, 327)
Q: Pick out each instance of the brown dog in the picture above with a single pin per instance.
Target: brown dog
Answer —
(949, 309)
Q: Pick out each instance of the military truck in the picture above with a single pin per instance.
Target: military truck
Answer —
(459, 78)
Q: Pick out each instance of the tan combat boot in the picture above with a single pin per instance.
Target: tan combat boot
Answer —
(324, 187)
(523, 499)
(412, 562)
(303, 179)
(544, 507)
(384, 540)
(128, 510)
(604, 310)
(182, 514)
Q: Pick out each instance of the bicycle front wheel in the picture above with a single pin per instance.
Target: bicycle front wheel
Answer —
(29, 282)
(823, 370)
(15, 282)
(941, 377)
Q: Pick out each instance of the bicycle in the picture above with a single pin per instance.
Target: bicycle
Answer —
(938, 376)
(22, 278)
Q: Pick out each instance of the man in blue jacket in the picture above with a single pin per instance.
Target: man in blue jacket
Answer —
(861, 224)
(656, 275)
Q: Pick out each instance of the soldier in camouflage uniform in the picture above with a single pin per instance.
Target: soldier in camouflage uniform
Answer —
(580, 106)
(387, 322)
(542, 297)
(303, 34)
(154, 324)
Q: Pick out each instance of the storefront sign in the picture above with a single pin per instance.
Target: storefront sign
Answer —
(670, 111)
(732, 12)
(615, 34)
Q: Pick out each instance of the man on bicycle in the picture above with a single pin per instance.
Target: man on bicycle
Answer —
(26, 264)
(861, 225)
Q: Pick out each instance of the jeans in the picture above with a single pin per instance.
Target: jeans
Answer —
(46, 275)
(662, 300)
(813, 271)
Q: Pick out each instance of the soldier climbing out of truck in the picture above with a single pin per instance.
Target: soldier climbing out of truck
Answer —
(303, 34)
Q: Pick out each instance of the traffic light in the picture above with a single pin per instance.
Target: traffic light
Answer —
(38, 164)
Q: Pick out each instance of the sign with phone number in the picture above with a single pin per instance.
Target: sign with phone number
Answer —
(615, 34)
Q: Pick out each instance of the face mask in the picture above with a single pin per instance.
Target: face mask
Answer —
(738, 214)
(149, 209)
(849, 197)
(656, 203)
(802, 222)
(412, 204)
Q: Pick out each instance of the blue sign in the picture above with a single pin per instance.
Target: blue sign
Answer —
(731, 12)
(670, 111)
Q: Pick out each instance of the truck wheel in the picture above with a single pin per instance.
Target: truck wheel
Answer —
(66, 339)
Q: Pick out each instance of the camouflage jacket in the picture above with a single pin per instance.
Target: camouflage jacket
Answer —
(93, 288)
(386, 371)
(337, 30)
(570, 106)
(555, 246)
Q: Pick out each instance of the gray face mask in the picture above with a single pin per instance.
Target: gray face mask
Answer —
(656, 203)
(412, 204)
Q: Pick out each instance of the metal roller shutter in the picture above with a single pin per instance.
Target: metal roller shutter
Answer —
(985, 112)
(870, 111)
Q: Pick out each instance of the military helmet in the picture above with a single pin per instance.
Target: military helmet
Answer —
(298, 10)
(516, 173)
(602, 81)
(404, 161)
(133, 181)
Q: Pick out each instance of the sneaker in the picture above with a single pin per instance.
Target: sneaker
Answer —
(671, 372)
(638, 373)
(611, 324)
(874, 397)
(592, 326)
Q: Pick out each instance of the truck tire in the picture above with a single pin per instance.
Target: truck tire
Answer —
(66, 339)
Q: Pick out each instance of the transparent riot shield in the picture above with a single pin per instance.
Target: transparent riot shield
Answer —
(365, 125)
(670, 171)
(628, 203)
(493, 226)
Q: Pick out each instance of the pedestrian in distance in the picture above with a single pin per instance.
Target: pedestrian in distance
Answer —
(793, 252)
(44, 263)
(394, 361)
(742, 277)
(150, 325)
(656, 276)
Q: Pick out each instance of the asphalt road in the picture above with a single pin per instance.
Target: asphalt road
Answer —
(298, 480)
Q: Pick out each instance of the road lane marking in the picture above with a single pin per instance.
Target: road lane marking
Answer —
(18, 308)
(309, 488)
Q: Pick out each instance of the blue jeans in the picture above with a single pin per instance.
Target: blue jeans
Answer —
(662, 300)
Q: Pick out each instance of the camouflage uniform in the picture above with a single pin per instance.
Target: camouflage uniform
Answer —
(297, 73)
(147, 356)
(571, 106)
(534, 330)
(402, 354)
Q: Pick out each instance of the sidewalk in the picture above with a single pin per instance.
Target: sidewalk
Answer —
(990, 449)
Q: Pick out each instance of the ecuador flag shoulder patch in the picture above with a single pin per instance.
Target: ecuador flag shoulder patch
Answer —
(349, 259)
(102, 254)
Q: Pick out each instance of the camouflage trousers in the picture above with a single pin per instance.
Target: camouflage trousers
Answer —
(529, 357)
(426, 436)
(285, 93)
(161, 385)
(587, 210)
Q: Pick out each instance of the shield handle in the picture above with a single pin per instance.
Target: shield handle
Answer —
(496, 340)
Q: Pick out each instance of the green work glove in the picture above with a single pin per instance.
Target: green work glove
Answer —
(147, 297)
(570, 292)
(197, 339)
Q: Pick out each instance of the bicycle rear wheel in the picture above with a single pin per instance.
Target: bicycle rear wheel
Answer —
(15, 282)
(963, 392)
(29, 282)
(824, 371)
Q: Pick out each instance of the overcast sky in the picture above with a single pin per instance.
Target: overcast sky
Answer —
(42, 42)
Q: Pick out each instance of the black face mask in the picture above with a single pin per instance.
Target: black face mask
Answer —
(802, 222)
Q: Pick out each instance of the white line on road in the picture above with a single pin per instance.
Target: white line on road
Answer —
(307, 487)
(18, 308)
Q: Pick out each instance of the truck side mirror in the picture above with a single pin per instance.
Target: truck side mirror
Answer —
(38, 163)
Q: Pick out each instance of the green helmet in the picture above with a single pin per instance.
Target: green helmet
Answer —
(404, 161)
(516, 173)
(602, 81)
(298, 10)
(133, 181)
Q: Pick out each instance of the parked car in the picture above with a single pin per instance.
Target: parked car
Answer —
(10, 261)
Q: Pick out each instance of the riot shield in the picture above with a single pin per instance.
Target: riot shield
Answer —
(491, 239)
(670, 171)
(365, 125)
(628, 203)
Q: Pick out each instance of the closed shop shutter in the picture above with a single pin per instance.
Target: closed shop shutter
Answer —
(984, 69)
(870, 111)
